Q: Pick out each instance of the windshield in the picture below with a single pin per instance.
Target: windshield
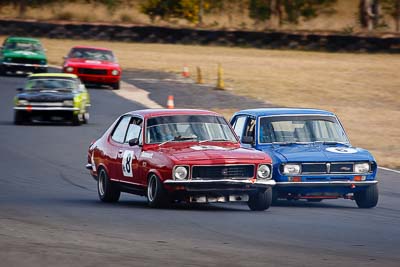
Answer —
(93, 54)
(50, 84)
(188, 128)
(301, 129)
(27, 46)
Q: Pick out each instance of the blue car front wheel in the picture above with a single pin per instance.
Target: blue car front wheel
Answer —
(367, 198)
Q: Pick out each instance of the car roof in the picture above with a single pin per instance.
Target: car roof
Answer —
(91, 47)
(148, 113)
(22, 39)
(53, 75)
(284, 111)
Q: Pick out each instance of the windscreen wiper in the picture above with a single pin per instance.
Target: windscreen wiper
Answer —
(167, 141)
(283, 143)
(215, 140)
(183, 138)
(332, 143)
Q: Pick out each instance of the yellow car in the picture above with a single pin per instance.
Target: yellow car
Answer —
(52, 96)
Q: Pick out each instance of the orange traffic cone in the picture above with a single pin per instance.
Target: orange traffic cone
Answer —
(185, 71)
(170, 102)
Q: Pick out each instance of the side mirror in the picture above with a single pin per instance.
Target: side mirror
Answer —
(133, 142)
(20, 89)
(248, 140)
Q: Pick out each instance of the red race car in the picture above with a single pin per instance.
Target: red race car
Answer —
(178, 155)
(93, 65)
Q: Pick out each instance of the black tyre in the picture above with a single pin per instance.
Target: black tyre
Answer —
(368, 198)
(157, 196)
(116, 85)
(76, 120)
(314, 199)
(275, 194)
(108, 191)
(261, 200)
(18, 118)
(86, 118)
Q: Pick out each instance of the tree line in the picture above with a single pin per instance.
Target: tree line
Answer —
(370, 12)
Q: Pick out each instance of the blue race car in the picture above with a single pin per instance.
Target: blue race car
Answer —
(311, 154)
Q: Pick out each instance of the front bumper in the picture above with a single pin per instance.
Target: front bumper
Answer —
(220, 185)
(98, 78)
(209, 191)
(326, 184)
(43, 108)
(23, 66)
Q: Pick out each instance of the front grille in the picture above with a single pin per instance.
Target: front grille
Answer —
(342, 167)
(52, 104)
(313, 168)
(223, 172)
(326, 167)
(25, 61)
(45, 98)
(92, 71)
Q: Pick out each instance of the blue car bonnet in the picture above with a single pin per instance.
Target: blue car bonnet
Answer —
(317, 153)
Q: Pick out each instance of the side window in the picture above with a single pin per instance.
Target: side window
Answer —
(250, 127)
(134, 129)
(119, 132)
(239, 126)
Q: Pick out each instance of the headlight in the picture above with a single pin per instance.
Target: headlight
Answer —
(180, 173)
(22, 102)
(43, 62)
(68, 103)
(291, 169)
(115, 72)
(361, 167)
(69, 69)
(263, 171)
(8, 59)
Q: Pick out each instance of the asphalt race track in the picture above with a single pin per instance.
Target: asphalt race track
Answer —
(50, 214)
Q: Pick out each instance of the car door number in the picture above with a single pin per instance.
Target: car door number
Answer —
(127, 163)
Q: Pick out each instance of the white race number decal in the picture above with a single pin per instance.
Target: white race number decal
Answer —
(127, 163)
(343, 150)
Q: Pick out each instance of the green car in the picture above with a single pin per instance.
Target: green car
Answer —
(52, 97)
(22, 54)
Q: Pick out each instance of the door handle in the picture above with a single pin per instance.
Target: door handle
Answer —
(120, 152)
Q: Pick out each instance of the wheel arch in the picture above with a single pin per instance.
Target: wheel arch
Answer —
(102, 166)
(151, 172)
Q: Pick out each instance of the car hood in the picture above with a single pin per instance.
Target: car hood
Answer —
(24, 54)
(318, 153)
(46, 96)
(213, 152)
(82, 62)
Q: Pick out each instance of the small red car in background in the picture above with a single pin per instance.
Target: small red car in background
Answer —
(93, 65)
(178, 155)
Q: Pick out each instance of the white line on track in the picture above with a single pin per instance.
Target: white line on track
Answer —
(391, 170)
(131, 92)
(136, 94)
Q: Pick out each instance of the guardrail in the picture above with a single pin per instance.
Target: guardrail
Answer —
(150, 34)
